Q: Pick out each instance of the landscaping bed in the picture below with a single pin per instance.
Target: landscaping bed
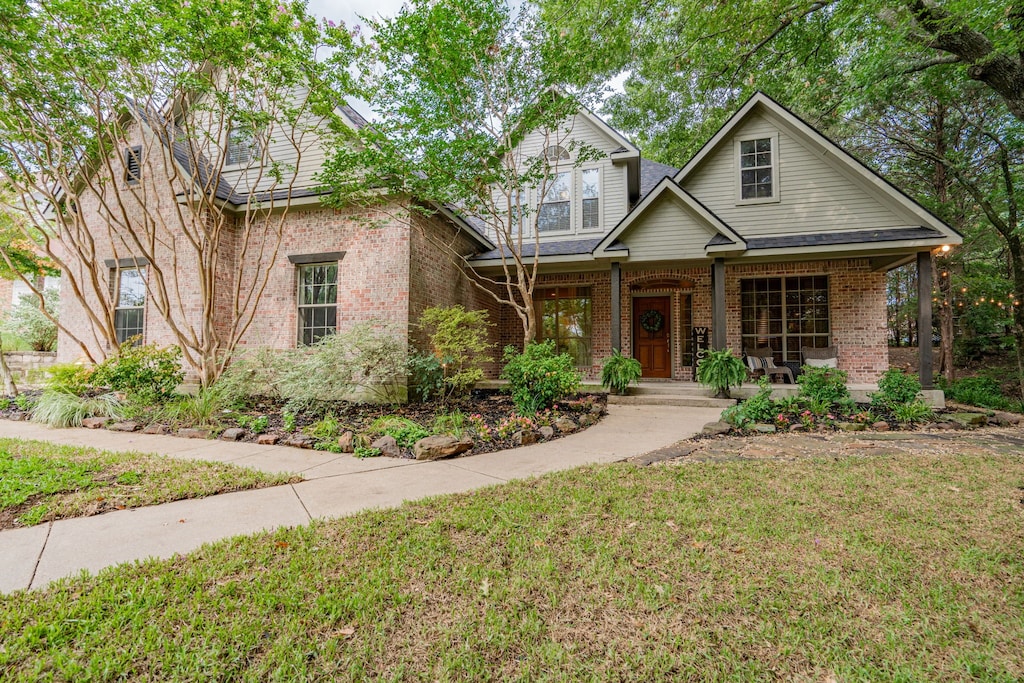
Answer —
(41, 482)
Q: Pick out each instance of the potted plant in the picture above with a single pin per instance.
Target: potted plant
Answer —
(618, 372)
(721, 370)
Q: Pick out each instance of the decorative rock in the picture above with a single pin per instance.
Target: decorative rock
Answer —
(94, 422)
(587, 420)
(154, 429)
(440, 446)
(232, 434)
(21, 417)
(299, 441)
(524, 438)
(193, 433)
(716, 428)
(796, 427)
(387, 446)
(547, 432)
(346, 442)
(1005, 419)
(267, 439)
(969, 419)
(880, 426)
(597, 409)
(124, 427)
(852, 426)
(761, 428)
(565, 424)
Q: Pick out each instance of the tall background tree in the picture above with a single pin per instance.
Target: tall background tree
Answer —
(856, 69)
(457, 85)
(168, 134)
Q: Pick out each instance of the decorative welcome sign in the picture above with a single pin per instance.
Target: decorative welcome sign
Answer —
(701, 338)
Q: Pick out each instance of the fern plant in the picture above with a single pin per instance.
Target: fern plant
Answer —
(720, 370)
(618, 372)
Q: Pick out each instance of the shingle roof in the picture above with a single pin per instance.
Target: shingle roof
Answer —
(853, 237)
(560, 248)
(651, 173)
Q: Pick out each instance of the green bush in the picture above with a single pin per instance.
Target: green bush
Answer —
(27, 321)
(761, 407)
(256, 374)
(538, 377)
(824, 387)
(459, 340)
(402, 429)
(201, 409)
(70, 378)
(912, 412)
(328, 428)
(618, 372)
(894, 388)
(979, 391)
(147, 371)
(720, 370)
(426, 376)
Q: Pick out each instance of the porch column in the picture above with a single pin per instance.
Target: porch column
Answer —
(718, 304)
(616, 306)
(924, 318)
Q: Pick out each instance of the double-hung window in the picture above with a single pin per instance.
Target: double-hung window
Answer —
(318, 302)
(758, 170)
(242, 146)
(556, 207)
(129, 303)
(591, 198)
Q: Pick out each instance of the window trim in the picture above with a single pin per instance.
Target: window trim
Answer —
(542, 202)
(299, 306)
(784, 335)
(538, 303)
(738, 170)
(117, 269)
(253, 146)
(599, 198)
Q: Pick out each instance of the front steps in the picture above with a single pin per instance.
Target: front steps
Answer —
(682, 394)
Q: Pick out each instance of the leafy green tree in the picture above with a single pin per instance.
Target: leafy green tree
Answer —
(457, 85)
(118, 121)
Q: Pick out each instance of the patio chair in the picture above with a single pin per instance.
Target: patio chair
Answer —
(827, 357)
(761, 361)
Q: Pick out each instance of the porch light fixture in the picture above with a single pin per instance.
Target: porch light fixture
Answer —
(945, 248)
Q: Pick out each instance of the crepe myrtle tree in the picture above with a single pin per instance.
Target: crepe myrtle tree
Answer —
(172, 135)
(457, 86)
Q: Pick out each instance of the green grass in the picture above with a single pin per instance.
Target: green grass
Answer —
(41, 481)
(857, 569)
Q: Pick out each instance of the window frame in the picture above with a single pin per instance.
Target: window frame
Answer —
(251, 146)
(301, 320)
(598, 199)
(774, 166)
(120, 330)
(785, 353)
(563, 293)
(567, 202)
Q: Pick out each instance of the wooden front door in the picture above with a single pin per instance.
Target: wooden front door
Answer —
(651, 325)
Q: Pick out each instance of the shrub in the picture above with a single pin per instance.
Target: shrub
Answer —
(256, 374)
(720, 369)
(63, 409)
(760, 407)
(618, 372)
(70, 378)
(145, 371)
(203, 408)
(823, 388)
(459, 340)
(912, 412)
(27, 321)
(894, 388)
(426, 377)
(979, 391)
(402, 429)
(257, 425)
(538, 376)
(328, 428)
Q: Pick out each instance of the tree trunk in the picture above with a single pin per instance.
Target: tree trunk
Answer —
(5, 373)
(1017, 264)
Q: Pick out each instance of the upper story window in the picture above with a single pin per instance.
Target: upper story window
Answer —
(591, 198)
(758, 170)
(556, 153)
(556, 208)
(133, 164)
(242, 146)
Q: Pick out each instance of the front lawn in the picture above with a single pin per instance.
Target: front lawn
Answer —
(857, 568)
(41, 481)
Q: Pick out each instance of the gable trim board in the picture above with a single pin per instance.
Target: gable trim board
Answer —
(833, 154)
(690, 204)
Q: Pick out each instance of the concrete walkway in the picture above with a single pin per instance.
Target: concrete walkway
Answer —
(335, 485)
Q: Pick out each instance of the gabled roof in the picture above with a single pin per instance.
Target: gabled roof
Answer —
(559, 248)
(726, 238)
(837, 154)
(651, 173)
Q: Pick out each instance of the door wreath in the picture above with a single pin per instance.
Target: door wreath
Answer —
(652, 321)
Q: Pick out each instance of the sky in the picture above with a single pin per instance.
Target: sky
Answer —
(349, 11)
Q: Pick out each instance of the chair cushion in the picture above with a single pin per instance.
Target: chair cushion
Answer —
(821, 362)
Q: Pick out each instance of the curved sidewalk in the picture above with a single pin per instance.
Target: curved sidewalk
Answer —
(335, 485)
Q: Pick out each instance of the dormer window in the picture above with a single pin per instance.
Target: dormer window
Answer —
(242, 146)
(556, 153)
(758, 167)
(555, 210)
